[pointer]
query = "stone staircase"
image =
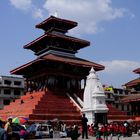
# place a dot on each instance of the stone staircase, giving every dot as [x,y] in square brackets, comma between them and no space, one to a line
[43,106]
[115,114]
[22,109]
[56,105]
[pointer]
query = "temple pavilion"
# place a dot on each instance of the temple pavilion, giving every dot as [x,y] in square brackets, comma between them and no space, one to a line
[134,98]
[54,79]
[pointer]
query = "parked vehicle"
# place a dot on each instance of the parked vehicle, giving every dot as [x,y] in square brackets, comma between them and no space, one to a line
[139,131]
[39,130]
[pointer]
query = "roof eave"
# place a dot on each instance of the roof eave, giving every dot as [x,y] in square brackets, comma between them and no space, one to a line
[57,19]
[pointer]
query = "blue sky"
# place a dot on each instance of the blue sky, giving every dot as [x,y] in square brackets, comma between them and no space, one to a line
[112,27]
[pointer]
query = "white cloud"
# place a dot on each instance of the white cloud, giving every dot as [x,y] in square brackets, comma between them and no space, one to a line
[118,72]
[21,4]
[89,14]
[27,5]
[119,66]
[37,13]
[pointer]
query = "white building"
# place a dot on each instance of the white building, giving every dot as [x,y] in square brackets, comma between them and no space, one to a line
[11,88]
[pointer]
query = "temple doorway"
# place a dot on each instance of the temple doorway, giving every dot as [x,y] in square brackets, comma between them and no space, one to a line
[101,118]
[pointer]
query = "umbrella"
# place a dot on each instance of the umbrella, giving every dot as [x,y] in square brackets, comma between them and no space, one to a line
[130,120]
[3,118]
[20,120]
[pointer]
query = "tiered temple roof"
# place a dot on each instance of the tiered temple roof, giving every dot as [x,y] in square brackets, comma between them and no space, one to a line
[137,70]
[134,86]
[57,23]
[131,98]
[56,42]
[55,37]
[56,47]
[56,58]
[134,82]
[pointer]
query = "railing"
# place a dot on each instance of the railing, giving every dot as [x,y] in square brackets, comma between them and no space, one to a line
[74,101]
[79,100]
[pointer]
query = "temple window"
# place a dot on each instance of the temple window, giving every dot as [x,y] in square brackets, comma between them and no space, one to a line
[82,84]
[100,102]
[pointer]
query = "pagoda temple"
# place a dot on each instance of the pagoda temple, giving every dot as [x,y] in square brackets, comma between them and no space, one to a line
[55,78]
[134,84]
[134,98]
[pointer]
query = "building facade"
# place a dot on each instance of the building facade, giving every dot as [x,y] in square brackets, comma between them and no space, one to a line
[11,88]
[134,99]
[115,96]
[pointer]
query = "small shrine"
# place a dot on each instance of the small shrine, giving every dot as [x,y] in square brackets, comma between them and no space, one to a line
[94,106]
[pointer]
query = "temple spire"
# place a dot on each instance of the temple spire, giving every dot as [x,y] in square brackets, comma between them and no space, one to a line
[94,99]
[56,14]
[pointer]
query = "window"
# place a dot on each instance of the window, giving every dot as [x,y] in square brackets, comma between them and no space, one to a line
[82,84]
[6,102]
[7,91]
[17,83]
[100,102]
[108,96]
[126,92]
[120,91]
[7,82]
[16,92]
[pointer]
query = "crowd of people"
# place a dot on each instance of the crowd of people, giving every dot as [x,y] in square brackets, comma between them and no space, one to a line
[107,131]
[120,129]
[6,131]
[99,130]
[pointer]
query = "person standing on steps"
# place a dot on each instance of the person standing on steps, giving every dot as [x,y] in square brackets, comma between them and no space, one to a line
[84,127]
